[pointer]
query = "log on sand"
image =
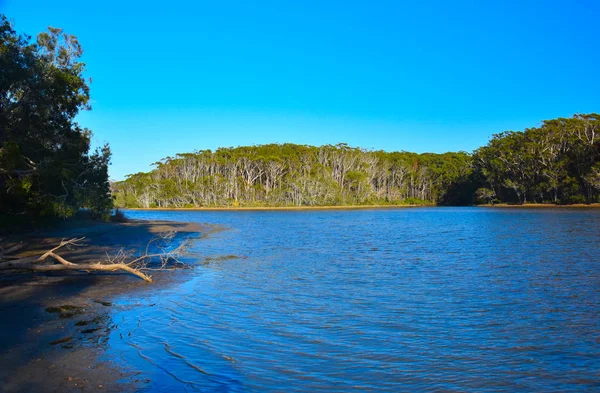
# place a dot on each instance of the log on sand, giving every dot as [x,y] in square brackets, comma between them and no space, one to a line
[138,266]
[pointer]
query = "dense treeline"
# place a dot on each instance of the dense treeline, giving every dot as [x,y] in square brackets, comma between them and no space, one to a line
[46,168]
[558,162]
[295,175]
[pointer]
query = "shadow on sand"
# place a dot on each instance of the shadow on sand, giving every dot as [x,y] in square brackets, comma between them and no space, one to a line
[55,326]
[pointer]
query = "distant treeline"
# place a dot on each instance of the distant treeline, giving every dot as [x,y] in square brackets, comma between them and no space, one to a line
[294,175]
[556,163]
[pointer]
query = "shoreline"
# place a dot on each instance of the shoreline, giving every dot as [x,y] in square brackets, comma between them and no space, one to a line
[360,207]
[292,208]
[544,206]
[56,326]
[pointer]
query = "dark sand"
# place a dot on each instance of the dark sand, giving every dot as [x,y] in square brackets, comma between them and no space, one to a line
[54,327]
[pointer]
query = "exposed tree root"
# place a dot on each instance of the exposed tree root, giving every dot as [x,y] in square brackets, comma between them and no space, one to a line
[169,258]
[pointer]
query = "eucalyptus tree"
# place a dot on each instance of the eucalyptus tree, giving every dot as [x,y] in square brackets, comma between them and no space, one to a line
[45,163]
[556,162]
[291,175]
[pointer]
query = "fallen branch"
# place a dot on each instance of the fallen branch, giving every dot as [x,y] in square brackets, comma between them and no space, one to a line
[12,249]
[122,261]
[113,267]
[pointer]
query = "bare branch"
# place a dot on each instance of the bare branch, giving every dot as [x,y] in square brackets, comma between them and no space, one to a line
[12,249]
[122,261]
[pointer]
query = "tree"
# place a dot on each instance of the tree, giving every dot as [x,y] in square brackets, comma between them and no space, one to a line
[557,162]
[485,195]
[45,165]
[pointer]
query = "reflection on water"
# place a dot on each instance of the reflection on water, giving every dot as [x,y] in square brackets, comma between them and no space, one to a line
[438,299]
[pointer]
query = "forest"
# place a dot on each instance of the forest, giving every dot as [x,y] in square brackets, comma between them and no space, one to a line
[295,175]
[558,162]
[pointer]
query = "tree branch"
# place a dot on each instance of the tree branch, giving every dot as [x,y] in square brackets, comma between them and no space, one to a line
[137,266]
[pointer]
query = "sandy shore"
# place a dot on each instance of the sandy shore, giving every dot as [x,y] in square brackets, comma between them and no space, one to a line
[544,205]
[247,208]
[359,207]
[55,326]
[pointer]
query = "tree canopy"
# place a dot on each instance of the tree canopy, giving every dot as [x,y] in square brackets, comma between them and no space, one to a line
[46,168]
[296,175]
[558,162]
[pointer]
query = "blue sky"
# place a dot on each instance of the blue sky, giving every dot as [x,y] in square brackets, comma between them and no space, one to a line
[425,76]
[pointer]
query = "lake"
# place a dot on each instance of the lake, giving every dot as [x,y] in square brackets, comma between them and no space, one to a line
[415,299]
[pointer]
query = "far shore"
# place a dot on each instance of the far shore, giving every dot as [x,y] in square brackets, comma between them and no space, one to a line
[357,207]
[243,208]
[544,205]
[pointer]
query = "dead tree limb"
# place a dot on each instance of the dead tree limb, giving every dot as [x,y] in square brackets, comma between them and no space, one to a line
[123,261]
[12,249]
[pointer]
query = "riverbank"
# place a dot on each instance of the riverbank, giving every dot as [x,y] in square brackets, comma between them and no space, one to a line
[56,326]
[252,208]
[544,205]
[357,207]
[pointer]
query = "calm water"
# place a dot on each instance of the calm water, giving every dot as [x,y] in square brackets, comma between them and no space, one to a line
[431,299]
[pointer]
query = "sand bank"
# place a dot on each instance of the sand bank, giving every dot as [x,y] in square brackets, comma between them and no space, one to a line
[249,208]
[544,205]
[55,326]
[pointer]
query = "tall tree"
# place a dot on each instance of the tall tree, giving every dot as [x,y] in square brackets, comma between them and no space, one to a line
[45,163]
[557,162]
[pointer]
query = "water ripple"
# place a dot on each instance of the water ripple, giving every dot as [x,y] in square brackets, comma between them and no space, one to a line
[396,300]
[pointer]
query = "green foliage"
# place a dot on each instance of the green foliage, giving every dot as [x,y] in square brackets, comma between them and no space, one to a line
[45,165]
[294,175]
[558,162]
[485,195]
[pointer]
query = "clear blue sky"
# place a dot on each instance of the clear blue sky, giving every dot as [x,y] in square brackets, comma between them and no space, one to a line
[177,76]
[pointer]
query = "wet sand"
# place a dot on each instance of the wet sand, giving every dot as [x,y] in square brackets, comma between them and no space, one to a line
[54,327]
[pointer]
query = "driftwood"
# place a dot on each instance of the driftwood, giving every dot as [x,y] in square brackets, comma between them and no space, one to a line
[12,249]
[140,266]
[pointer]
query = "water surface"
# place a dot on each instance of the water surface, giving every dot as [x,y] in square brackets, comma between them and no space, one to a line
[423,299]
